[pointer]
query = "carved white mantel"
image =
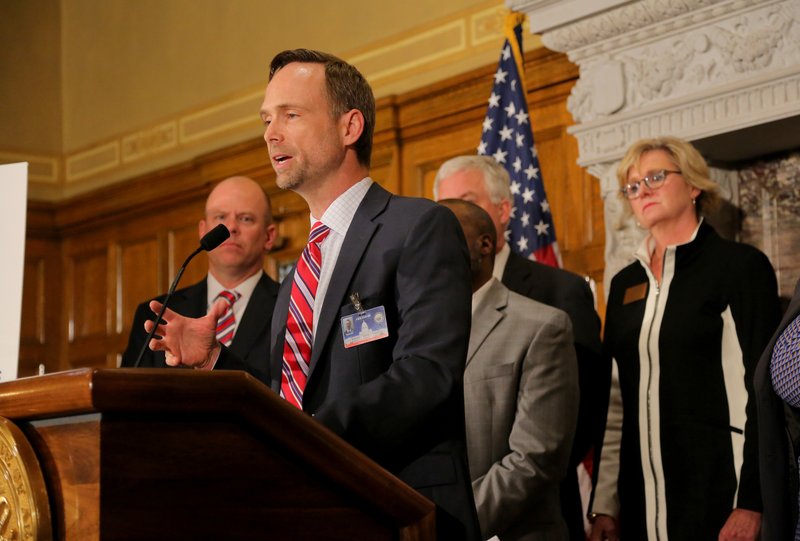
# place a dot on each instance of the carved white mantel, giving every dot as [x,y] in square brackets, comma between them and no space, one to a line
[697,69]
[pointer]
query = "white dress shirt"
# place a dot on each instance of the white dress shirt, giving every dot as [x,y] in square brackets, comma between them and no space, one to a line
[338,217]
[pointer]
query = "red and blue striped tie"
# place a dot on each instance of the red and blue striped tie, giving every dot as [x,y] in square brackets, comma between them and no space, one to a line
[226,325]
[300,321]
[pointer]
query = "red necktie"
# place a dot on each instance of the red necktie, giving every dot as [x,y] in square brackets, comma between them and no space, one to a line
[300,320]
[226,325]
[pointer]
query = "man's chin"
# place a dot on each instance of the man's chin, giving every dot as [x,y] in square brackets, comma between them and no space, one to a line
[288,182]
[227,262]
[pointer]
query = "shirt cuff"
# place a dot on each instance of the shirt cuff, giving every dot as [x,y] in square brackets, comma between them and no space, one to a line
[212,362]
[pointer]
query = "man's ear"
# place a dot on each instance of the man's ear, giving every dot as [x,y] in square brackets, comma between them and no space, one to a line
[485,245]
[505,212]
[272,234]
[201,228]
[352,126]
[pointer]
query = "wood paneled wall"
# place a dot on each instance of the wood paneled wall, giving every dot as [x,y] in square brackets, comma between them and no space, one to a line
[91,260]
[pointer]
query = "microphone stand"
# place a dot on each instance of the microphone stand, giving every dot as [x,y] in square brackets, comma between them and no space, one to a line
[210,240]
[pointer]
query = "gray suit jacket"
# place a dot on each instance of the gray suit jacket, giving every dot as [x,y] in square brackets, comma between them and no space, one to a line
[521,402]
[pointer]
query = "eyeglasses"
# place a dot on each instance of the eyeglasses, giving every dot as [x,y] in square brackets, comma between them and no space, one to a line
[653,181]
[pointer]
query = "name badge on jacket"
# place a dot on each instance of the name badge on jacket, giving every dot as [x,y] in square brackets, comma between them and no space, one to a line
[366,326]
[635,293]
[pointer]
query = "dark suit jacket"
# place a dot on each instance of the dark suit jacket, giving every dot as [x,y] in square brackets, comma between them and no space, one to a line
[398,399]
[776,452]
[250,343]
[570,293]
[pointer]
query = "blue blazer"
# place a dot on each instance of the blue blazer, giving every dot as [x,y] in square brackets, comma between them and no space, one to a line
[398,399]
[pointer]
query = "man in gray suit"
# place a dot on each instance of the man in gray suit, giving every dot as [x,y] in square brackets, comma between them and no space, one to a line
[481,180]
[520,395]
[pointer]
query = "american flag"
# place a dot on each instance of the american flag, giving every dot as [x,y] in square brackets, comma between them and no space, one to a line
[508,138]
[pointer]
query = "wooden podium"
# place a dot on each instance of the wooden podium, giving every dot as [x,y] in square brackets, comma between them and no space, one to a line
[148,454]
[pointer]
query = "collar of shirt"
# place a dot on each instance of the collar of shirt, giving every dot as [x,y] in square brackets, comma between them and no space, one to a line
[644,251]
[245,289]
[479,295]
[500,260]
[338,217]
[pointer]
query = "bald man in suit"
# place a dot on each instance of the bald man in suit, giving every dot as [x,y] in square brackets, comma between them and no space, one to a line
[520,397]
[236,265]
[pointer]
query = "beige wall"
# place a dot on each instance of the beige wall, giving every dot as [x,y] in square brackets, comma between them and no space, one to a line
[113,89]
[30,76]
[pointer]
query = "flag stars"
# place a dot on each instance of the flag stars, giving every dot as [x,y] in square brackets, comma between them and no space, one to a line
[508,138]
[527,195]
[541,228]
[531,171]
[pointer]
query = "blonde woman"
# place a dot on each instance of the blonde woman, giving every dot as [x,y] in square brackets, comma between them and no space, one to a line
[685,325]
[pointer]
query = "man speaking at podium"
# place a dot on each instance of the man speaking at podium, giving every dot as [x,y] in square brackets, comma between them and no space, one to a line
[235,273]
[390,381]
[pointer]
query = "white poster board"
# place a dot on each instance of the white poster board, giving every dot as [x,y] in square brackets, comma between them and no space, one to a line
[13,205]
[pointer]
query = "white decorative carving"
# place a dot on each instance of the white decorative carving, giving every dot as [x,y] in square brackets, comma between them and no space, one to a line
[731,50]
[607,138]
[635,18]
[589,98]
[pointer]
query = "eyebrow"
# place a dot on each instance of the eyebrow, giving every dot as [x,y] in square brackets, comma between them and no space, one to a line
[284,106]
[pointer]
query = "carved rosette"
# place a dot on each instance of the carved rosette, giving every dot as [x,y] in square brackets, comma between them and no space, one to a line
[24,507]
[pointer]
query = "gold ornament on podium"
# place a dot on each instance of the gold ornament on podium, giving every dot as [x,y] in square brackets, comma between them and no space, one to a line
[24,508]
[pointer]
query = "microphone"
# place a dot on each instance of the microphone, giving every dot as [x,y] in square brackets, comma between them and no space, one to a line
[210,240]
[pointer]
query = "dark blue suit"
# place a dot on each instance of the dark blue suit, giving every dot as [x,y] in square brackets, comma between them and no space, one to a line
[398,399]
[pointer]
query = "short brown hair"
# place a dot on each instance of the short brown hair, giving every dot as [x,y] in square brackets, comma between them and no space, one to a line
[688,160]
[347,90]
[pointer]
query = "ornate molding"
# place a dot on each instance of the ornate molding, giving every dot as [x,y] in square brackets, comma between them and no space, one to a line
[737,49]
[635,22]
[704,115]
